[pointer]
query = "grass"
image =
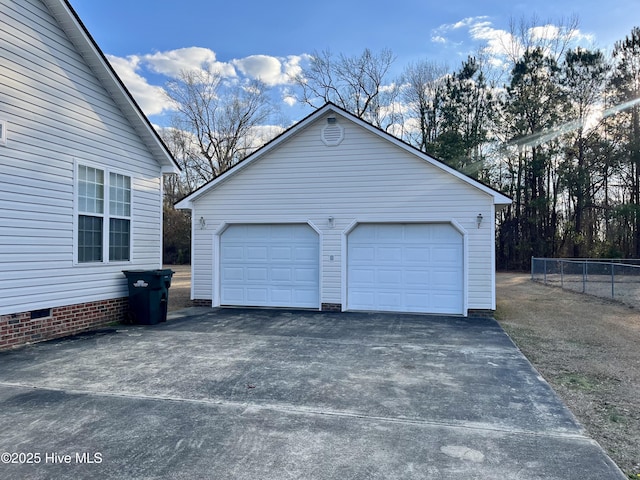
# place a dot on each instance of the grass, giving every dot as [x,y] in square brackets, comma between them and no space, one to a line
[577,381]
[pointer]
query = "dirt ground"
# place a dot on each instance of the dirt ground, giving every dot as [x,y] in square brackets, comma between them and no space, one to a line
[587,348]
[180,290]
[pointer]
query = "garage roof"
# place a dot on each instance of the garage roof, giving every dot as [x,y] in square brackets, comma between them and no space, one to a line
[186,203]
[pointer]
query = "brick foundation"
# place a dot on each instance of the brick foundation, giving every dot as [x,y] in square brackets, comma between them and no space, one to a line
[481,313]
[201,302]
[331,307]
[21,328]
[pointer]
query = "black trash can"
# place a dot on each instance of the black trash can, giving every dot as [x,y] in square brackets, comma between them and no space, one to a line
[148,295]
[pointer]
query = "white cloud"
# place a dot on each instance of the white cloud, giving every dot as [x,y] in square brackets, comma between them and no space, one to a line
[270,70]
[498,42]
[501,44]
[172,62]
[544,32]
[137,71]
[151,98]
[466,22]
[288,97]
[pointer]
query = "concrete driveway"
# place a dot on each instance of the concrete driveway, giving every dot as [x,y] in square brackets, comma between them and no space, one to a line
[256,394]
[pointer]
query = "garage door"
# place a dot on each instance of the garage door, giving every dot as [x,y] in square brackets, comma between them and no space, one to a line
[269,266]
[405,268]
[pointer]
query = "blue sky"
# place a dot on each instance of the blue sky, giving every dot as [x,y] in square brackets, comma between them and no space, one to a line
[149,42]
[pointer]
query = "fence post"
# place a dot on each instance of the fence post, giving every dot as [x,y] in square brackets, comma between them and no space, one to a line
[613,279]
[561,273]
[545,271]
[584,276]
[533,259]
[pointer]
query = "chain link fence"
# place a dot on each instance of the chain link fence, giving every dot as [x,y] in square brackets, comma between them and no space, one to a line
[617,279]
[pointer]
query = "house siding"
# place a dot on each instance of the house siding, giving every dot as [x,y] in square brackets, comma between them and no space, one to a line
[364,179]
[58,115]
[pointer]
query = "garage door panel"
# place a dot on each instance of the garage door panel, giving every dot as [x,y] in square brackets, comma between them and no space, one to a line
[385,276]
[416,278]
[281,254]
[359,299]
[233,294]
[283,234]
[417,301]
[406,268]
[281,275]
[416,254]
[444,233]
[280,296]
[256,296]
[269,265]
[442,301]
[446,255]
[306,254]
[449,279]
[389,254]
[306,275]
[389,300]
[362,254]
[418,233]
[231,274]
[305,296]
[256,274]
[362,276]
[253,253]
[232,253]
[306,234]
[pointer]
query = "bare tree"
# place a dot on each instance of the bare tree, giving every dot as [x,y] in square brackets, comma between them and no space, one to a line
[422,88]
[215,120]
[355,83]
[553,38]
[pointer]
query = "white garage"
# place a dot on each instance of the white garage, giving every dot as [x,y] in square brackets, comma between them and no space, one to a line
[335,214]
[269,266]
[405,268]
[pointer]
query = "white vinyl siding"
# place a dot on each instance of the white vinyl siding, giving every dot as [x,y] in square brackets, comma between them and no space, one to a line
[364,179]
[60,116]
[3,133]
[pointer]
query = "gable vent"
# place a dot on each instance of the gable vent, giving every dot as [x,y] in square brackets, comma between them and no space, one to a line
[332,133]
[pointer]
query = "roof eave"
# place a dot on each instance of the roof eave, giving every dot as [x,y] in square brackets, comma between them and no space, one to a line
[78,34]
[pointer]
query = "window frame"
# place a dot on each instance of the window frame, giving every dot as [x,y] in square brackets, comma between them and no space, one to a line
[106,214]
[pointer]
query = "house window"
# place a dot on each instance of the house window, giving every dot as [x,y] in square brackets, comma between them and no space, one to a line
[119,213]
[104,216]
[90,214]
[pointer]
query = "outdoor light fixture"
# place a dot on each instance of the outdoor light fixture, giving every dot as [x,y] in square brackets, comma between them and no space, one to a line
[203,223]
[331,222]
[479,220]
[331,120]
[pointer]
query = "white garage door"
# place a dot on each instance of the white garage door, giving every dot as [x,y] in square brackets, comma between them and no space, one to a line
[405,268]
[269,266]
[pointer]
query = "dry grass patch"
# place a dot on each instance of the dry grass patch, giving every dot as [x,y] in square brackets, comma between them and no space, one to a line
[588,349]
